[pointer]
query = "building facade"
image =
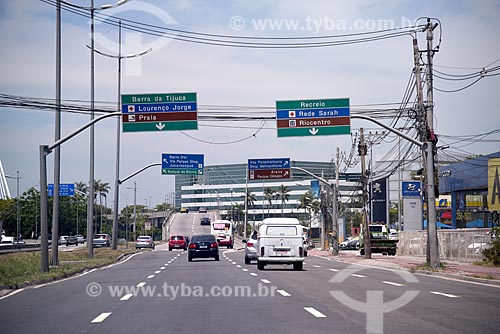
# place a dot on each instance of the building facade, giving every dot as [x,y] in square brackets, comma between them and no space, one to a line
[223,188]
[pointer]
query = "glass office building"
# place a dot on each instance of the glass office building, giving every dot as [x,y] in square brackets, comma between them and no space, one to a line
[222,188]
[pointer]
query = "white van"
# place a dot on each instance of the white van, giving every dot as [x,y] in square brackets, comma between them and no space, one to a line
[280,241]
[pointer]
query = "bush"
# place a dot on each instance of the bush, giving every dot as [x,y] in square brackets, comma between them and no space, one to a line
[492,254]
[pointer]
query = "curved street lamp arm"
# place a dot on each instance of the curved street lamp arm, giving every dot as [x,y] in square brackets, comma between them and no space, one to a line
[119,3]
[139,171]
[121,57]
[385,126]
[80,129]
[319,178]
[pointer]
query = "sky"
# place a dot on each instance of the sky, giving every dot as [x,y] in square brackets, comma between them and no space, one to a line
[368,73]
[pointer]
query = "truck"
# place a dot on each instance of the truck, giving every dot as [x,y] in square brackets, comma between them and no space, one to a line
[380,242]
[280,241]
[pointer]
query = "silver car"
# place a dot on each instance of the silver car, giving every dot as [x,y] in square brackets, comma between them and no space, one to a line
[144,241]
[250,250]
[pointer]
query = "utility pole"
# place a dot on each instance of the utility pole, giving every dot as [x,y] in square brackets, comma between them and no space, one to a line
[135,208]
[335,216]
[57,151]
[430,147]
[425,117]
[362,150]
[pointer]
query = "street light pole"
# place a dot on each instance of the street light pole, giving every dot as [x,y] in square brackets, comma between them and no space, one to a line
[119,57]
[90,208]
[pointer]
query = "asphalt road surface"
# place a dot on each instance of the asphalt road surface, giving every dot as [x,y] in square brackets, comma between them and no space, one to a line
[161,292]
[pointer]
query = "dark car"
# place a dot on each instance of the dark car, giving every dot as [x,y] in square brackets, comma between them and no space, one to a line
[204,221]
[177,241]
[72,240]
[203,246]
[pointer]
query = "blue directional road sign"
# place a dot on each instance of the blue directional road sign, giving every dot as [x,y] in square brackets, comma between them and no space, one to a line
[65,189]
[175,164]
[268,163]
[265,169]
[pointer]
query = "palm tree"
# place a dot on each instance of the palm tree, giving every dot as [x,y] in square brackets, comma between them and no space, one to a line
[101,188]
[250,198]
[305,201]
[282,194]
[81,186]
[269,195]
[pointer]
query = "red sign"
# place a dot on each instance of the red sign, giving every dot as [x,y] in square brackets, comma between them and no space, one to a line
[159,117]
[268,174]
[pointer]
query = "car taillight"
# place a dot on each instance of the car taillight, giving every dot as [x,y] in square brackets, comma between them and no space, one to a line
[192,246]
[214,245]
[249,244]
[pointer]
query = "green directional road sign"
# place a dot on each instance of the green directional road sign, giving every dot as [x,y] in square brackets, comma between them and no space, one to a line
[167,171]
[307,118]
[159,112]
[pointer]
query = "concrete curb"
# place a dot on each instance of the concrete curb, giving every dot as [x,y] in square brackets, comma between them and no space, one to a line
[395,266]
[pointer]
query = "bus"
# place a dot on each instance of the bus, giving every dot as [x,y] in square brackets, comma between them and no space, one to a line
[223,232]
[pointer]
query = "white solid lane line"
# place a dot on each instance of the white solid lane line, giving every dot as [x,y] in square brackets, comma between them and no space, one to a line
[444,294]
[127,296]
[101,317]
[315,312]
[392,283]
[283,293]
[141,284]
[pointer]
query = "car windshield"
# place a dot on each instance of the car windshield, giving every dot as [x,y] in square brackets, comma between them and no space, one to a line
[203,238]
[177,237]
[281,230]
[143,238]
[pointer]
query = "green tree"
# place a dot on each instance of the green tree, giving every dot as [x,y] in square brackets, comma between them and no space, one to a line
[306,202]
[283,194]
[101,189]
[269,195]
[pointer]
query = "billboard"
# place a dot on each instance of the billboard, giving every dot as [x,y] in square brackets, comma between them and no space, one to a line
[493,184]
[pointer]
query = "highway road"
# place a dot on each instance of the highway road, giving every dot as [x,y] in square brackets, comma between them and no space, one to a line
[161,292]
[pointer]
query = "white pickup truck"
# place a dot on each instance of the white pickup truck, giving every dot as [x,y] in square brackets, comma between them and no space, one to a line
[280,241]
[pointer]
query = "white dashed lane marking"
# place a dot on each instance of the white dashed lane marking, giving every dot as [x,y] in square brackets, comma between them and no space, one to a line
[141,284]
[127,296]
[444,294]
[151,276]
[357,275]
[283,293]
[265,281]
[392,283]
[315,312]
[101,317]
